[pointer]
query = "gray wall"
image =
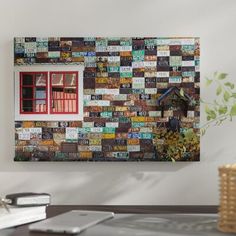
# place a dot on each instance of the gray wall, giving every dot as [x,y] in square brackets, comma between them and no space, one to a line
[213,21]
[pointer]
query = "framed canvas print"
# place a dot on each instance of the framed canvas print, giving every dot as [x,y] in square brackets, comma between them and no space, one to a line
[107,99]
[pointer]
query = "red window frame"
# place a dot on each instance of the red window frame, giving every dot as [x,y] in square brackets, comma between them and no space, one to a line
[34,86]
[64,73]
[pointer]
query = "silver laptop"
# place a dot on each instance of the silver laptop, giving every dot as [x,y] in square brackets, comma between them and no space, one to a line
[72,222]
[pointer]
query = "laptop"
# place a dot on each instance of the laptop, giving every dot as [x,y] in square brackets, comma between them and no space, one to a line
[72,222]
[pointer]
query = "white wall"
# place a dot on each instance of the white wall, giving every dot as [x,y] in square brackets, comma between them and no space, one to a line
[213,21]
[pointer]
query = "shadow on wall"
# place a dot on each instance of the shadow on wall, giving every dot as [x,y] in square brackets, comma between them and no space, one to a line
[113,186]
[99,184]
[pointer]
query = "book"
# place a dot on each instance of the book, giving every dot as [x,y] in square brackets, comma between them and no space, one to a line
[21,215]
[28,199]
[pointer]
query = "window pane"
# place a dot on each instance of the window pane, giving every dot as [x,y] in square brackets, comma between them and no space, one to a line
[70,93]
[27,92]
[58,105]
[27,106]
[33,92]
[57,93]
[57,79]
[70,80]
[64,90]
[70,105]
[40,106]
[27,79]
[40,93]
[40,80]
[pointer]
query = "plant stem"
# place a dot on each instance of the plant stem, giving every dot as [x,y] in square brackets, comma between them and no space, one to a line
[208,103]
[215,120]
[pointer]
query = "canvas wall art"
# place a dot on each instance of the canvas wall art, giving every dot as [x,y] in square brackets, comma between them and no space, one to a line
[107,99]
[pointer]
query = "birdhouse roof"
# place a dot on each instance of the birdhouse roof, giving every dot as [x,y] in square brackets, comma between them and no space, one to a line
[185,97]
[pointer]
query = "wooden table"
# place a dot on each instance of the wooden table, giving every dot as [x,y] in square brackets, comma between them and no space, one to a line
[55,210]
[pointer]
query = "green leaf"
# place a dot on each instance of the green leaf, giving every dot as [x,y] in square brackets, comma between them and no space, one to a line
[233,95]
[226,96]
[207,109]
[219,90]
[181,92]
[230,85]
[203,131]
[233,110]
[208,81]
[222,110]
[189,134]
[213,115]
[222,76]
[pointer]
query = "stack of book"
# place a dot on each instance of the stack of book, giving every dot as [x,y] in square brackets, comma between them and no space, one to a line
[23,208]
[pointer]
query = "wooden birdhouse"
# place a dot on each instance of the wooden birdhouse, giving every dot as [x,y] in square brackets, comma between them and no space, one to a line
[174,103]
